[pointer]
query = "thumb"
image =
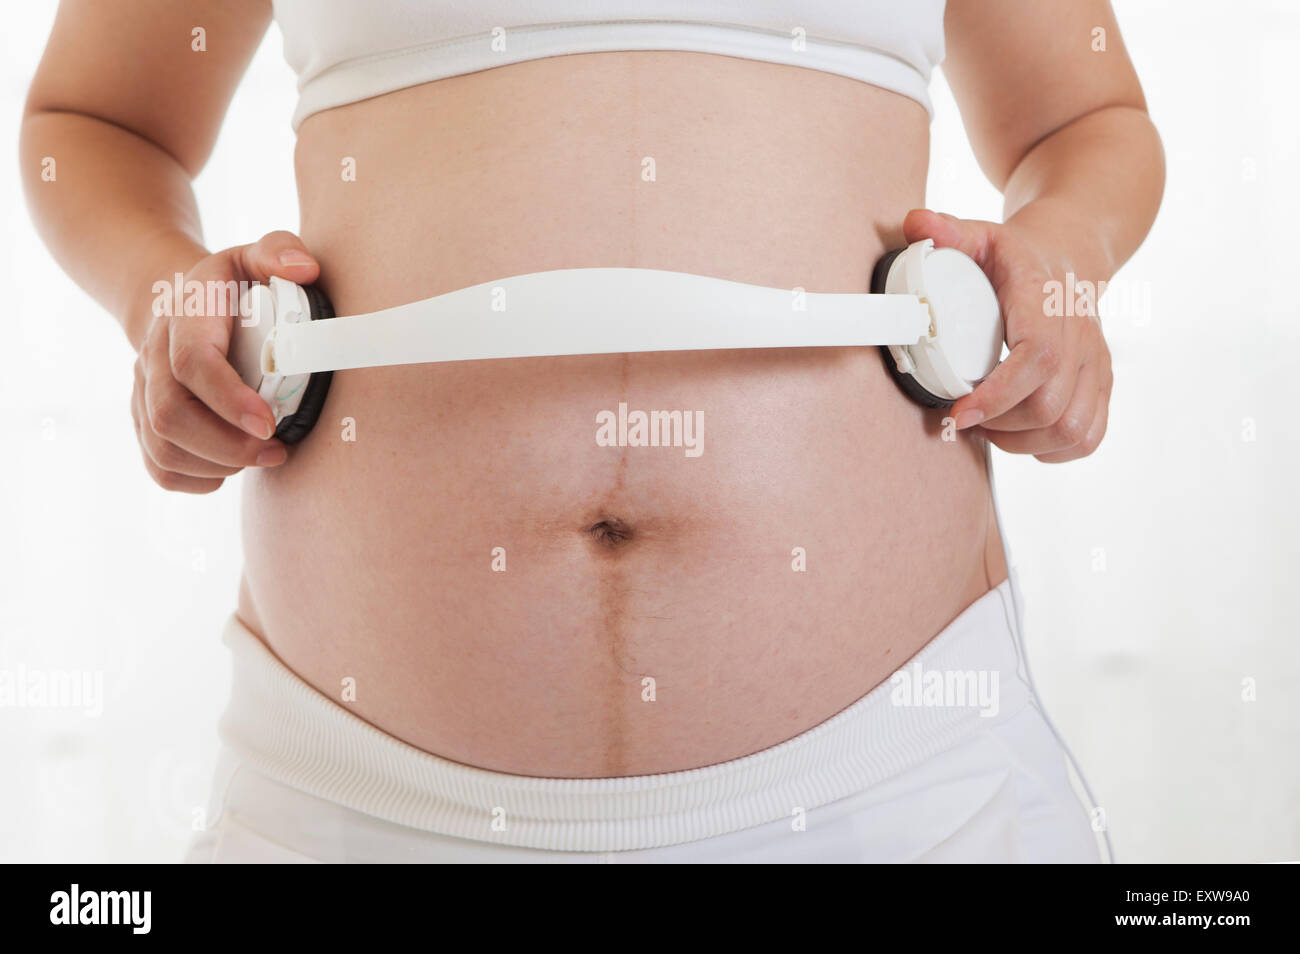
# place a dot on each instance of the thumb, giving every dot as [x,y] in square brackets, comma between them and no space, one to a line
[281,254]
[965,235]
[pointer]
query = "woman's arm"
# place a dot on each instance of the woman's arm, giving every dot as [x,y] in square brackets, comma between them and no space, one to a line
[128,110]
[1058,122]
[1059,125]
[121,116]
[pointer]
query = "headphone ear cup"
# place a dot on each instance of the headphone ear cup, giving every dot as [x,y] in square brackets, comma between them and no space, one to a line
[905,382]
[880,274]
[297,425]
[909,385]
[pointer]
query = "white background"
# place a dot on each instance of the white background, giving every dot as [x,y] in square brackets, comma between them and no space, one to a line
[1159,573]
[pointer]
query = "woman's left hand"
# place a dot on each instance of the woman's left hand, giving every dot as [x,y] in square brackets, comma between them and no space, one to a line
[1050,396]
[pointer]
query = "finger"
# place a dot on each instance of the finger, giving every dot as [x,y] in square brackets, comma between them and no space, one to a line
[197,348]
[180,483]
[169,480]
[1095,434]
[1069,430]
[972,237]
[170,457]
[1104,362]
[209,437]
[281,254]
[164,454]
[177,417]
[1033,361]
[1045,405]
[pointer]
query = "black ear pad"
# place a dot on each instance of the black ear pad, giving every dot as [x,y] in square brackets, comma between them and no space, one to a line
[907,383]
[296,426]
[880,274]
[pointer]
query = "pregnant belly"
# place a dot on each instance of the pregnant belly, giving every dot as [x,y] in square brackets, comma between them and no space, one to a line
[511,581]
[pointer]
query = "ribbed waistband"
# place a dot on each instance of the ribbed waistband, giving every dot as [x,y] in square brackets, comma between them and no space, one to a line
[285,729]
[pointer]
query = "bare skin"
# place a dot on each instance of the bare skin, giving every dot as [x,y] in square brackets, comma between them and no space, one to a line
[373,559]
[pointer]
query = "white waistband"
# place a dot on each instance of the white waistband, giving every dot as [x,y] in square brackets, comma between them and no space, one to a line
[596,311]
[286,730]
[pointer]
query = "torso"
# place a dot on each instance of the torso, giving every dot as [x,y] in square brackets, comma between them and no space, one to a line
[373,559]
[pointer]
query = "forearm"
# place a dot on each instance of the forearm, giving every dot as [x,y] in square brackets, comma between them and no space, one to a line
[1090,191]
[117,212]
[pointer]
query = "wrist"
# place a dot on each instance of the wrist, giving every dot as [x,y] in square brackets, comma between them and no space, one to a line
[1068,240]
[159,261]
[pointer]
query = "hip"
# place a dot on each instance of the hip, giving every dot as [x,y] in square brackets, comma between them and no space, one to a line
[950,760]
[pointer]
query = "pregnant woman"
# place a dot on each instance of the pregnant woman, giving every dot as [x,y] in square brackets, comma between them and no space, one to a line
[470,630]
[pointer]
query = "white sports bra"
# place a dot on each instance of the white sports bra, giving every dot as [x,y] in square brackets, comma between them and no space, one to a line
[347,50]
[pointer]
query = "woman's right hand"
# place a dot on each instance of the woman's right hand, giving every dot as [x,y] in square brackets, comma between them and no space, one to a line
[197,422]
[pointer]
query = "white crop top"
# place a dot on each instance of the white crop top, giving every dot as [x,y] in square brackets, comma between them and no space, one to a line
[348,50]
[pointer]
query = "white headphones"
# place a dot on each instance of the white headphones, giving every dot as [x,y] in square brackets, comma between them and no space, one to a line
[933,312]
[295,399]
[964,342]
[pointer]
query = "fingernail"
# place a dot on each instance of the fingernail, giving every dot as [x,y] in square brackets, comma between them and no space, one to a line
[969,418]
[295,256]
[257,426]
[272,457]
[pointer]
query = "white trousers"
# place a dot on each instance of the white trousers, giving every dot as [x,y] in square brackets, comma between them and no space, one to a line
[950,760]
